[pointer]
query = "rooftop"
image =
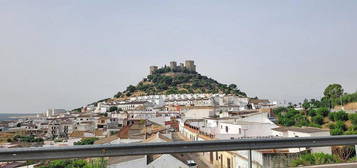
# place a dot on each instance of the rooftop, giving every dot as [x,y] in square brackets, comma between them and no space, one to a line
[302,129]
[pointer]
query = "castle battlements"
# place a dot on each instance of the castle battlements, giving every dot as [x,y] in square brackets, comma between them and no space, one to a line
[189,65]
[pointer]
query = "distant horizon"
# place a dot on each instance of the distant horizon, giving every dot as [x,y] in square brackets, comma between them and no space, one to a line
[66,54]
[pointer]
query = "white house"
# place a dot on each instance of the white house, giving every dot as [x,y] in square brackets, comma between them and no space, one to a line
[134,105]
[53,112]
[237,129]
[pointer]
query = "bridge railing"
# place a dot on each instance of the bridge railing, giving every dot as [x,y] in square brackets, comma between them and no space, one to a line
[110,150]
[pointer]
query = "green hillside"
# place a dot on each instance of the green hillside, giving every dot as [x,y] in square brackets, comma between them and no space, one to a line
[167,81]
[319,113]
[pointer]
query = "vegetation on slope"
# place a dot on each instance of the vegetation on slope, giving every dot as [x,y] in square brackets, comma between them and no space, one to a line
[315,159]
[75,163]
[333,95]
[167,81]
[317,113]
[339,154]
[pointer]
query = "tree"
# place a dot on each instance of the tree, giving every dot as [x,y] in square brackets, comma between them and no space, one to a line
[344,152]
[312,112]
[119,94]
[323,111]
[233,86]
[301,120]
[315,103]
[130,88]
[333,91]
[113,108]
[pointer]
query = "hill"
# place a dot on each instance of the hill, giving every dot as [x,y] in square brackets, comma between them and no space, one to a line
[178,81]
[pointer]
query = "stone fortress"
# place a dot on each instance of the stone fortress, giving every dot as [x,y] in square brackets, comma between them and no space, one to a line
[189,65]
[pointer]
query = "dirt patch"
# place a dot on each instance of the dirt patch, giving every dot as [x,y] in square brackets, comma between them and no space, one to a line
[349,106]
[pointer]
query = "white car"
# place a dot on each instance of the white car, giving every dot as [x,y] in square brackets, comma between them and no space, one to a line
[191,164]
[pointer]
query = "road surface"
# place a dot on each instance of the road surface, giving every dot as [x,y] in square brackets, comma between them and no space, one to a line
[189,156]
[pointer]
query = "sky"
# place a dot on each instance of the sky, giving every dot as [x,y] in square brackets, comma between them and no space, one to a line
[65,54]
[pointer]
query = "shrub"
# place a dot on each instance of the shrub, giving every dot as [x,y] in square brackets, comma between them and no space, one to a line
[322,158]
[331,116]
[332,126]
[317,119]
[297,162]
[336,131]
[314,125]
[341,116]
[301,120]
[29,139]
[314,159]
[308,159]
[75,163]
[311,112]
[353,118]
[350,132]
[338,116]
[279,110]
[86,141]
[340,125]
[323,111]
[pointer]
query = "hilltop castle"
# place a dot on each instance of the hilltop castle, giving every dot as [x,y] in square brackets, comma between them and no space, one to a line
[189,65]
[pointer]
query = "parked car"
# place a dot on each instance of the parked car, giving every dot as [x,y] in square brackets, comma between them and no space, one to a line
[191,164]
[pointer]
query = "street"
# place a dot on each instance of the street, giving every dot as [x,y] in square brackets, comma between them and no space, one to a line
[188,156]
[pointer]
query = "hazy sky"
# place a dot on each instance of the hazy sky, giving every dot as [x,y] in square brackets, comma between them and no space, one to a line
[65,54]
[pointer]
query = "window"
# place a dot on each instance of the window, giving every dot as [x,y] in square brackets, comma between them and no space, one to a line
[216,155]
[228,163]
[240,131]
[226,128]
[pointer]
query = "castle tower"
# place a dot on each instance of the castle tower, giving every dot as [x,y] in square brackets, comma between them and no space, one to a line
[153,69]
[182,66]
[173,65]
[190,65]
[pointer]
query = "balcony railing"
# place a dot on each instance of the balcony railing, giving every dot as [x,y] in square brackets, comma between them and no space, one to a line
[110,150]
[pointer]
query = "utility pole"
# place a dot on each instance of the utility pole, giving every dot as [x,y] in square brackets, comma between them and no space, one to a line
[342,108]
